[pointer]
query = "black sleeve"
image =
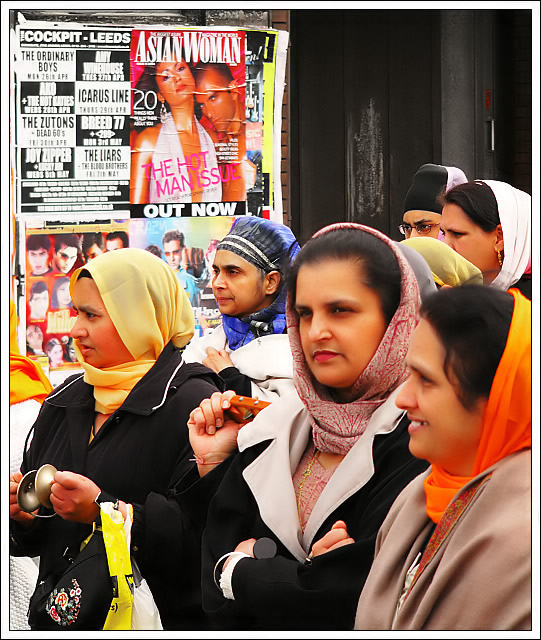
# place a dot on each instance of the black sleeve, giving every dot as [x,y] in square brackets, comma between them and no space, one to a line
[236,381]
[166,534]
[281,592]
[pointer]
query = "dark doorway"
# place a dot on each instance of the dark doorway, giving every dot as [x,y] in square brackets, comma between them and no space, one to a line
[365,113]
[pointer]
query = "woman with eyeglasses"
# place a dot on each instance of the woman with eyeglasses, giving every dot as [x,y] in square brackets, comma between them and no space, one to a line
[489,223]
[422,210]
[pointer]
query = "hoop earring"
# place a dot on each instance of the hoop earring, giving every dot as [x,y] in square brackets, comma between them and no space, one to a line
[500,259]
[163,113]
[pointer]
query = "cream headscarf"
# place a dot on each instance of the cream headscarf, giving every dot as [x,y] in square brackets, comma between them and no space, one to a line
[148,307]
[515,212]
[447,266]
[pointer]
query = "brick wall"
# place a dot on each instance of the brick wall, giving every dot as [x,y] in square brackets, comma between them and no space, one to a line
[280,19]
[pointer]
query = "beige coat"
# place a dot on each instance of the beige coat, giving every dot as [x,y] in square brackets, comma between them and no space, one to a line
[480,576]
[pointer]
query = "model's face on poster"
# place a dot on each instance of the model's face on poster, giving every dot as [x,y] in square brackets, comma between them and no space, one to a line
[218,100]
[55,354]
[93,252]
[38,303]
[63,294]
[114,244]
[175,82]
[172,251]
[65,258]
[442,430]
[39,261]
[34,337]
[341,322]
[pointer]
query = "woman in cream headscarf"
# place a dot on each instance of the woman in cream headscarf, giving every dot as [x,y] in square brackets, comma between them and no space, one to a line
[447,266]
[454,552]
[118,431]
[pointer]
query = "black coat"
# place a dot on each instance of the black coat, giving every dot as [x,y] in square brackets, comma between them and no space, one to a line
[138,455]
[281,592]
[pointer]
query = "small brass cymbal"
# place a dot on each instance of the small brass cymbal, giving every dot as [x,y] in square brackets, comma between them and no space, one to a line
[35,489]
[27,498]
[43,483]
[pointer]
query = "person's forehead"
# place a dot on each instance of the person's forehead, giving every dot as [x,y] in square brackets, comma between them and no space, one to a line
[64,248]
[211,80]
[168,66]
[225,258]
[172,245]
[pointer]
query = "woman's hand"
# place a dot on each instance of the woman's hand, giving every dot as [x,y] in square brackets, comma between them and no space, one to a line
[217,360]
[73,495]
[337,537]
[247,546]
[212,435]
[15,512]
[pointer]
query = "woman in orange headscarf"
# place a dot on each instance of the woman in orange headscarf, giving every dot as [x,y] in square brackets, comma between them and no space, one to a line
[455,550]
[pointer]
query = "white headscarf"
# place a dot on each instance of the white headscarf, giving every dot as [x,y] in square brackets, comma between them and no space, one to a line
[515,211]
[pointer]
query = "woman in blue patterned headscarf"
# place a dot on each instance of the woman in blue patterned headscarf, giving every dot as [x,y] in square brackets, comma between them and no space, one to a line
[250,349]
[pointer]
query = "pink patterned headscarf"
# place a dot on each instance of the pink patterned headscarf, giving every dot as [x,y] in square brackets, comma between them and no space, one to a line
[336,427]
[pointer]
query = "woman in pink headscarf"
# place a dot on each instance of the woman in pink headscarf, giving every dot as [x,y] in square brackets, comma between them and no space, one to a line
[330,456]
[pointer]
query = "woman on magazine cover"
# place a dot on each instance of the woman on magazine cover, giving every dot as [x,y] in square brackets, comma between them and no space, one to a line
[175,160]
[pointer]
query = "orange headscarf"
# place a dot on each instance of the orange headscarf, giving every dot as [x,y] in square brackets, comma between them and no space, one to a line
[26,377]
[507,421]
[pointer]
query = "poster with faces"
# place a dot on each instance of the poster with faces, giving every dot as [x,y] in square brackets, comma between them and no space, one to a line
[188,247]
[51,255]
[87,102]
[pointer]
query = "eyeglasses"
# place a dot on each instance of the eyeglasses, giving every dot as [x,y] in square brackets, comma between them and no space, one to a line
[422,228]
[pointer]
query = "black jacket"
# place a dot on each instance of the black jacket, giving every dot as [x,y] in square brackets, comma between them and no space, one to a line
[281,592]
[138,455]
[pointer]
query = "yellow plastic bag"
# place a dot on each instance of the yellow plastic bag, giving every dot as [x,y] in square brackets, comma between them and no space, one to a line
[120,569]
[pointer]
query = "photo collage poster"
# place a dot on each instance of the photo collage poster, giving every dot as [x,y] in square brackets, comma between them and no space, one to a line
[93,123]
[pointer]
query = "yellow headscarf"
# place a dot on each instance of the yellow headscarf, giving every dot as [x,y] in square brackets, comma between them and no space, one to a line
[26,378]
[447,266]
[148,307]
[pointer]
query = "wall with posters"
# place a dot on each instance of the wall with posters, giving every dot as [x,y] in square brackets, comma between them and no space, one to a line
[153,137]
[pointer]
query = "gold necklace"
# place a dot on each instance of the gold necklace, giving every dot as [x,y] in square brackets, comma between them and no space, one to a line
[305,475]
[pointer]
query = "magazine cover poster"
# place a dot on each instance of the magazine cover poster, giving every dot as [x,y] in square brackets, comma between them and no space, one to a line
[188,136]
[51,256]
[188,246]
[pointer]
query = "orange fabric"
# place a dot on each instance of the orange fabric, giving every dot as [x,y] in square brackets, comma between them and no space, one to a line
[507,422]
[508,416]
[26,377]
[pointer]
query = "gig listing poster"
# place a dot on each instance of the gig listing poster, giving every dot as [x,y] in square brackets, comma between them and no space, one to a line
[143,127]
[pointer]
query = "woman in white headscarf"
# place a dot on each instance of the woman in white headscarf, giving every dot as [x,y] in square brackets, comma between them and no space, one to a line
[489,223]
[117,432]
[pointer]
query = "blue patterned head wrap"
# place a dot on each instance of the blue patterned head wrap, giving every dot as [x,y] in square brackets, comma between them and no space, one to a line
[269,246]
